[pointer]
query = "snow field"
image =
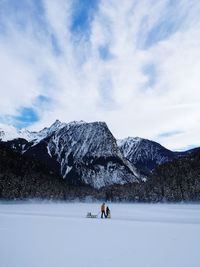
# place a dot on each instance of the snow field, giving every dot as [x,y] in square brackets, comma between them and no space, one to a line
[58,235]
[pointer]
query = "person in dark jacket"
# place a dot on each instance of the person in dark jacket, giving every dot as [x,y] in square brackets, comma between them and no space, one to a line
[107,212]
[103,208]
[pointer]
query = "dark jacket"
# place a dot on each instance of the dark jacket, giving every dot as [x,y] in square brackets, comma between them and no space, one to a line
[107,211]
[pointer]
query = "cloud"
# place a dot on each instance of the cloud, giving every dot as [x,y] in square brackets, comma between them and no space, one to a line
[134,65]
[169,134]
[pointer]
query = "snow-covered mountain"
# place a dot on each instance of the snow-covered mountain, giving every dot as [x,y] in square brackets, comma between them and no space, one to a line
[8,132]
[146,154]
[87,153]
[83,153]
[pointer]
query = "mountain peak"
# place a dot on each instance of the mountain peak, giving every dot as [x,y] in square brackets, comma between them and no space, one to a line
[56,123]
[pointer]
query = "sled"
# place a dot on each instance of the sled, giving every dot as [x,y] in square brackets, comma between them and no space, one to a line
[90,215]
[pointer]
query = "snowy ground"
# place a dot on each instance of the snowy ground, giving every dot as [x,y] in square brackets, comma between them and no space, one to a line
[59,235]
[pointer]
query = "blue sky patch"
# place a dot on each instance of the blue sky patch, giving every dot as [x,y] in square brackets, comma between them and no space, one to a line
[104,52]
[160,32]
[150,71]
[26,117]
[82,15]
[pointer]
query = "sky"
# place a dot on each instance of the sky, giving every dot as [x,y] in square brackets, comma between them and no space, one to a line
[133,64]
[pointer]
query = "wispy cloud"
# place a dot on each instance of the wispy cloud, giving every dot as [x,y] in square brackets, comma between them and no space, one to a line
[135,65]
[169,134]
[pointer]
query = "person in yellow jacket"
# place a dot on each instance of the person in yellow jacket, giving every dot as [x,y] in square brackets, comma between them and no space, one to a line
[103,210]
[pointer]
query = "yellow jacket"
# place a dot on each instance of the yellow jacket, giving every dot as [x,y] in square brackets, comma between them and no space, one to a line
[103,207]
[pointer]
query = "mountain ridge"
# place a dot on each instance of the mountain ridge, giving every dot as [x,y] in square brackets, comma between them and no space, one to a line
[88,153]
[79,159]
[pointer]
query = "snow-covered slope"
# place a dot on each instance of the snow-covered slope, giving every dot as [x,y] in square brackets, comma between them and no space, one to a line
[145,154]
[36,137]
[83,153]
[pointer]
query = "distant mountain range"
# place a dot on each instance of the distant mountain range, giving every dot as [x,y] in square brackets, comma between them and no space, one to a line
[146,155]
[86,155]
